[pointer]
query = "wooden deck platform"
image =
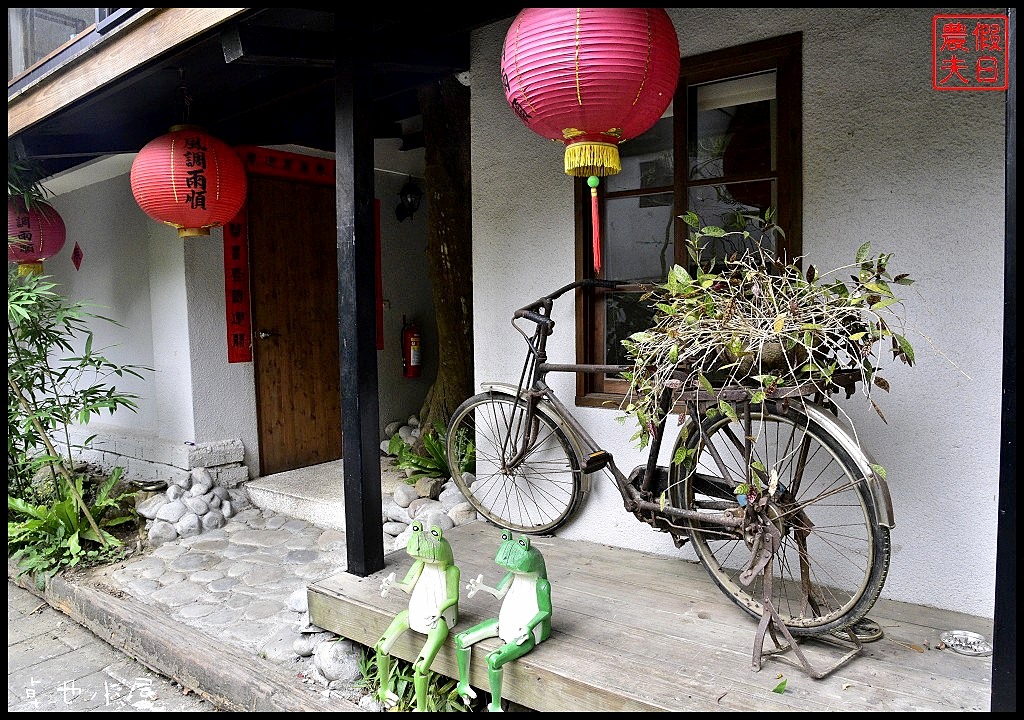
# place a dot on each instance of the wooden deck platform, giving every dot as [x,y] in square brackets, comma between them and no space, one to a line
[635,631]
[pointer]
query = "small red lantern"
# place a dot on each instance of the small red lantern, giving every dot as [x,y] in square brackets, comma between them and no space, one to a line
[190,180]
[39,230]
[590,78]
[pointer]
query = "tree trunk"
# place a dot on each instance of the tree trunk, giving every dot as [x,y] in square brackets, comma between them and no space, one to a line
[445,109]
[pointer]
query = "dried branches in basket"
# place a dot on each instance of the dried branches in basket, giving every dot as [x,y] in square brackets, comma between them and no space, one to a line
[752,320]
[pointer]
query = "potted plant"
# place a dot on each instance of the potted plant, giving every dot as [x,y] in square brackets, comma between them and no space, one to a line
[754,321]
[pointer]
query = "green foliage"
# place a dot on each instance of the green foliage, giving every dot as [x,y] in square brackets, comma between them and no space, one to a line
[46,538]
[23,181]
[750,319]
[56,376]
[434,463]
[441,690]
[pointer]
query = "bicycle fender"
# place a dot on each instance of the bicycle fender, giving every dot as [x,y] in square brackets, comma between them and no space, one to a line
[878,486]
[513,390]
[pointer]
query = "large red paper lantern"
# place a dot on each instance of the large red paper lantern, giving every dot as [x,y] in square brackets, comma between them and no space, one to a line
[189,179]
[40,234]
[590,78]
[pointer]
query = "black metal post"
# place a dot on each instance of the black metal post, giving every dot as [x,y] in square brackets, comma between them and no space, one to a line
[357,324]
[1004,641]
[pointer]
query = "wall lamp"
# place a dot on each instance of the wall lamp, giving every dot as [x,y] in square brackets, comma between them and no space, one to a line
[408,200]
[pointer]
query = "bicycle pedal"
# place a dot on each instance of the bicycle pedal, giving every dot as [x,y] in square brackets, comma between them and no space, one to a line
[596,461]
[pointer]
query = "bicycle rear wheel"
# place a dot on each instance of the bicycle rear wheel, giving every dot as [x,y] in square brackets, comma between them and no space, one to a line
[834,554]
[537,493]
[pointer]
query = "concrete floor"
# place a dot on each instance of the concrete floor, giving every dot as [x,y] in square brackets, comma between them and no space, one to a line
[316,493]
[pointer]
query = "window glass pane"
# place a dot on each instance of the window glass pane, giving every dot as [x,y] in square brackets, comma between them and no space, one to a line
[639,238]
[646,160]
[726,206]
[734,128]
[34,33]
[624,315]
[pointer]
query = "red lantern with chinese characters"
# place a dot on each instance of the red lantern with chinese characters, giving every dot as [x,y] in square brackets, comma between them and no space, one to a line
[590,78]
[40,234]
[189,179]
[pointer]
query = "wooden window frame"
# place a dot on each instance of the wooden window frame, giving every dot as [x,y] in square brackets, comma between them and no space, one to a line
[781,54]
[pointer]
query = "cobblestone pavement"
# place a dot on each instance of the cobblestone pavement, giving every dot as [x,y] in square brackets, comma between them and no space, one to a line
[56,665]
[238,590]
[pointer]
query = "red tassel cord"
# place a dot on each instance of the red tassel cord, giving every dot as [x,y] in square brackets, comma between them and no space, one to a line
[595,222]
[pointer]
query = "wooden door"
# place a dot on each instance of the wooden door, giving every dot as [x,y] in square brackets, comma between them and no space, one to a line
[294,278]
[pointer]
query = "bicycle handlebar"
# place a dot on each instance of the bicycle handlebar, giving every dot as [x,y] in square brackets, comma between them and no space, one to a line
[586,282]
[535,317]
[529,311]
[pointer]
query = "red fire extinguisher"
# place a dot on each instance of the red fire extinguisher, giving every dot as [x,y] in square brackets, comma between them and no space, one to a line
[412,358]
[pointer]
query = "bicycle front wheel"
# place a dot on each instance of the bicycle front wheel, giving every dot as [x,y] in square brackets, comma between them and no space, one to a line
[518,475]
[834,554]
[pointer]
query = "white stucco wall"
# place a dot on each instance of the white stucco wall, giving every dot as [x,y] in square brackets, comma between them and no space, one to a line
[406,290]
[172,370]
[887,159]
[133,272]
[114,279]
[224,394]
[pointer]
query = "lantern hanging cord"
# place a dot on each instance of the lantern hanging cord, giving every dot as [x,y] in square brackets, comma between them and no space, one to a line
[183,99]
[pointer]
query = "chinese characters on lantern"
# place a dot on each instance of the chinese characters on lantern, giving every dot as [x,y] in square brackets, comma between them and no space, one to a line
[970,52]
[195,175]
[24,234]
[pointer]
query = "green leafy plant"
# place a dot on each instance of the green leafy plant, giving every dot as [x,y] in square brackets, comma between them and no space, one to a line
[752,320]
[52,385]
[23,182]
[433,463]
[45,538]
[441,690]
[56,378]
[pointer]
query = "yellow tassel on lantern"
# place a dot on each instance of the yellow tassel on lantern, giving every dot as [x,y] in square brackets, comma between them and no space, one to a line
[30,268]
[586,159]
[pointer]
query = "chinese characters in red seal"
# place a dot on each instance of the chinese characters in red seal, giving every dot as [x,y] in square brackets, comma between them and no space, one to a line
[970,52]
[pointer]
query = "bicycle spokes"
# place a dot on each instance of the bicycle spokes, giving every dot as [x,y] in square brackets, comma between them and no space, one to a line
[526,476]
[806,487]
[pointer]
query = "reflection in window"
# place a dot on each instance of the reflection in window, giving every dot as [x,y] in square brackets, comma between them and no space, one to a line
[34,33]
[643,228]
[731,150]
[624,315]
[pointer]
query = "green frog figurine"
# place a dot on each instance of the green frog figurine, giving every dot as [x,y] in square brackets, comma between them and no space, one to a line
[523,621]
[433,586]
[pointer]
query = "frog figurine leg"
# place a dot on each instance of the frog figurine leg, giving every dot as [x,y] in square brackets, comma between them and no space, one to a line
[383,649]
[432,584]
[523,621]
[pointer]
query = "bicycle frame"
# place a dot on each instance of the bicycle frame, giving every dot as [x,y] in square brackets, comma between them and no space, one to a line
[638,488]
[534,389]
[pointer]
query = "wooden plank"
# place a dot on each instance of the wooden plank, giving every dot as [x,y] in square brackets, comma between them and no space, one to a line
[528,681]
[141,41]
[637,631]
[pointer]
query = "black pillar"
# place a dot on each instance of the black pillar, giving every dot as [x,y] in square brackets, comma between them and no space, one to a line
[357,323]
[1004,641]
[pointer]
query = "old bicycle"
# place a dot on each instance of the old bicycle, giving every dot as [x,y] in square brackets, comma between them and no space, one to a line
[808,558]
